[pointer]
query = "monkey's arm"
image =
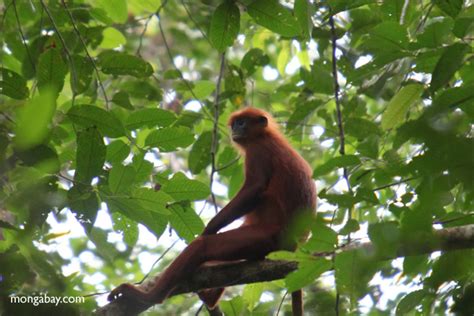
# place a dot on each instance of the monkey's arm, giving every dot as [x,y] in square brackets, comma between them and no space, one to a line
[244,202]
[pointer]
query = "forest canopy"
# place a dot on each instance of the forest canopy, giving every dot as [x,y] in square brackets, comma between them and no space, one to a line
[115,149]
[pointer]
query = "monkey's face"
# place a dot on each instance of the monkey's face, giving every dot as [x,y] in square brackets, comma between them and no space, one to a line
[245,127]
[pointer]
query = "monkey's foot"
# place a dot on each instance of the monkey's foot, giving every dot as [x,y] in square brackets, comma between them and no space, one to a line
[125,290]
[131,292]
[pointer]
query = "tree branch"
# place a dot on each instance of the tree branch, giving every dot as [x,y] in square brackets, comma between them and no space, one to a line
[245,272]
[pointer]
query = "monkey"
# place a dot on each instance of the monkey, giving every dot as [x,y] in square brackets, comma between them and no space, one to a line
[278,186]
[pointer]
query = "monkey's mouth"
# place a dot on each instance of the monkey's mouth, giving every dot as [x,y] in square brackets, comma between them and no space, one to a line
[237,136]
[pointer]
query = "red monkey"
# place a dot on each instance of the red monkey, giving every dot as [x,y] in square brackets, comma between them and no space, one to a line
[278,186]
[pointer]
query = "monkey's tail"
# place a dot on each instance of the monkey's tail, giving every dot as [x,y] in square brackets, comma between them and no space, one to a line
[297,303]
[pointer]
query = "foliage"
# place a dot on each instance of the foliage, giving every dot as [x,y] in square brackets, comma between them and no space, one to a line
[107,115]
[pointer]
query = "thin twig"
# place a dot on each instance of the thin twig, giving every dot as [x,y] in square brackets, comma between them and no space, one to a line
[423,21]
[393,183]
[227,165]
[454,219]
[66,50]
[281,303]
[23,38]
[140,43]
[156,261]
[194,21]
[340,126]
[199,310]
[84,45]
[148,19]
[180,73]
[215,128]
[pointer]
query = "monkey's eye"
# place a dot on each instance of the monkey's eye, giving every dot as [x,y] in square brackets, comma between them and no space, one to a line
[239,122]
[263,120]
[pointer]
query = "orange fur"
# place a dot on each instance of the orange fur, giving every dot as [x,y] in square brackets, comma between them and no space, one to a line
[278,186]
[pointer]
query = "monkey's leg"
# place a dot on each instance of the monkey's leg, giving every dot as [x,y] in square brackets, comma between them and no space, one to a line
[246,242]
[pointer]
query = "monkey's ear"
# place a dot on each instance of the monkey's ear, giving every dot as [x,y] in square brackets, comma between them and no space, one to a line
[262,120]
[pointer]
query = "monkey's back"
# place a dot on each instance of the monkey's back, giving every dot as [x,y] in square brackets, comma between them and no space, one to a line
[290,188]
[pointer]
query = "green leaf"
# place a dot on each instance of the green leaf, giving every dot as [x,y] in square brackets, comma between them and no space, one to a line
[416,224]
[117,151]
[131,207]
[275,17]
[185,222]
[361,128]
[306,274]
[302,113]
[81,76]
[385,237]
[200,154]
[415,265]
[112,38]
[252,59]
[451,266]
[116,63]
[150,118]
[464,23]
[233,307]
[225,25]
[170,138]
[143,168]
[153,201]
[127,227]
[13,85]
[399,105]
[188,119]
[252,293]
[142,89]
[318,79]
[410,301]
[121,179]
[283,58]
[90,156]
[451,60]
[303,13]
[99,238]
[342,200]
[51,70]
[351,226]
[122,99]
[387,36]
[353,271]
[181,188]
[436,34]
[344,5]
[322,239]
[83,200]
[367,195]
[290,256]
[335,163]
[447,99]
[116,10]
[450,7]
[203,88]
[236,181]
[34,118]
[89,115]
[144,6]
[227,161]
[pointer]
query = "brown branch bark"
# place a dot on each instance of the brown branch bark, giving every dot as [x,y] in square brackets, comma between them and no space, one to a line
[245,272]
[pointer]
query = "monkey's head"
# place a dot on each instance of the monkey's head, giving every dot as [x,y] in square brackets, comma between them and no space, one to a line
[249,124]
